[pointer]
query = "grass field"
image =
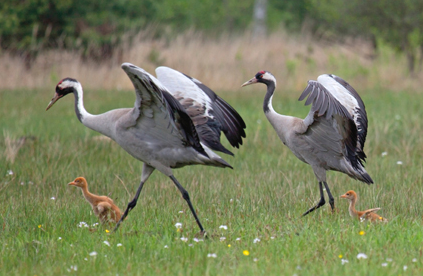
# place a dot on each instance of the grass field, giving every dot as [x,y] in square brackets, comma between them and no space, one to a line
[262,198]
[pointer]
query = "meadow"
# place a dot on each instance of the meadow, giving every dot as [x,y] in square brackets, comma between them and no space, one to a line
[252,214]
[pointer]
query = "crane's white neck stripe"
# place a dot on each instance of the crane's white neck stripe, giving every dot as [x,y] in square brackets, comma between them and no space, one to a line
[79,103]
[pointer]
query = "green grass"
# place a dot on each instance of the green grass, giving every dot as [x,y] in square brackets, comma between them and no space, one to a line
[263,197]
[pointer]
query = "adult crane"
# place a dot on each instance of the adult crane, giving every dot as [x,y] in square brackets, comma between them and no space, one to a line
[176,121]
[333,134]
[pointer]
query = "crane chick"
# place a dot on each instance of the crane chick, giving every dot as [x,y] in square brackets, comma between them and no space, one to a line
[361,215]
[103,206]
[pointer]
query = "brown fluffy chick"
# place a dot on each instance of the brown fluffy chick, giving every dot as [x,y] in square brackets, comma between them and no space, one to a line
[103,206]
[361,215]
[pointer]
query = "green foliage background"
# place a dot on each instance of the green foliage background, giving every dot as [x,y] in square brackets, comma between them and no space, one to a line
[96,27]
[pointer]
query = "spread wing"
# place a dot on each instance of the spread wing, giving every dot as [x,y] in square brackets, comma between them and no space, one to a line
[210,113]
[156,110]
[329,123]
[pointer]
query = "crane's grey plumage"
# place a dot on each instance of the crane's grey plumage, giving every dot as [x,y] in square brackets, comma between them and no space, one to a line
[332,135]
[161,131]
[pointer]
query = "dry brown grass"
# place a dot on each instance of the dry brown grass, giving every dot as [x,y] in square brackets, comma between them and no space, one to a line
[224,63]
[12,146]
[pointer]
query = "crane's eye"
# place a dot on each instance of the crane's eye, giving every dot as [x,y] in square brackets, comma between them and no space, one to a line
[348,194]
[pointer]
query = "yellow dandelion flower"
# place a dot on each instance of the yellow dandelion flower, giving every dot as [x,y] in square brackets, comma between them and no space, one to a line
[362,233]
[107,231]
[39,226]
[380,218]
[246,252]
[340,256]
[178,230]
[229,245]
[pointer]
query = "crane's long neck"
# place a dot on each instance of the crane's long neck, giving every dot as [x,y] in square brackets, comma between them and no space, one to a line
[80,110]
[281,123]
[267,104]
[98,123]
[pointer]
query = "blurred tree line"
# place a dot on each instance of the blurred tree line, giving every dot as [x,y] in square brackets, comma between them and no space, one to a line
[95,27]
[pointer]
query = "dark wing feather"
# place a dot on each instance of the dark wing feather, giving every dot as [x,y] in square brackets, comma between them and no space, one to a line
[232,123]
[361,118]
[209,112]
[182,119]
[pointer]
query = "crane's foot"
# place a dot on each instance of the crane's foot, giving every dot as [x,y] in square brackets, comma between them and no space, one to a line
[318,205]
[131,205]
[201,234]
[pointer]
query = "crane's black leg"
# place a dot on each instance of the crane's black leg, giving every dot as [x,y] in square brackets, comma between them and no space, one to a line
[185,195]
[146,172]
[320,203]
[331,199]
[131,205]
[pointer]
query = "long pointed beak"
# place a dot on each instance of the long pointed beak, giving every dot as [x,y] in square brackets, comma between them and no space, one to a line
[72,183]
[343,196]
[55,98]
[252,81]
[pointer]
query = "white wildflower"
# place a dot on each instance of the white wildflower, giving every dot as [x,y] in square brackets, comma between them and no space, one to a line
[166,246]
[384,153]
[238,239]
[399,162]
[255,259]
[361,256]
[119,245]
[256,240]
[343,261]
[211,255]
[106,243]
[388,259]
[82,224]
[92,254]
[414,260]
[222,239]
[10,172]
[405,268]
[223,227]
[178,225]
[184,239]
[59,238]
[181,212]
[384,264]
[52,198]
